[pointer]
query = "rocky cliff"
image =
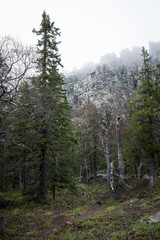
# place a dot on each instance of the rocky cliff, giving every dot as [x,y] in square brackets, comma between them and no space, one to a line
[97,83]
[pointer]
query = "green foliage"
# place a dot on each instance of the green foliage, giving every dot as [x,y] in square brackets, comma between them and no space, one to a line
[77,210]
[39,148]
[55,124]
[88,155]
[47,223]
[111,208]
[142,141]
[146,231]
[67,218]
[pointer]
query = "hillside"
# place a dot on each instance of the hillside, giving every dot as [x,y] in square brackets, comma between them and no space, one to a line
[98,82]
[88,212]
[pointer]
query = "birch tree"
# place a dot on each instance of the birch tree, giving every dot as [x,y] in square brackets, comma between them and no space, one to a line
[16,64]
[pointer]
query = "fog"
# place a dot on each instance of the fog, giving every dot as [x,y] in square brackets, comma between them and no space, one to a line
[90,29]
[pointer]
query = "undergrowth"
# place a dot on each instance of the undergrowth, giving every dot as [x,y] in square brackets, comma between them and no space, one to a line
[90,213]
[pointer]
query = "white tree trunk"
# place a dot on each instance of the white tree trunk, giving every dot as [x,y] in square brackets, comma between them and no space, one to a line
[112,176]
[110,165]
[107,157]
[152,172]
[120,155]
[120,160]
[106,154]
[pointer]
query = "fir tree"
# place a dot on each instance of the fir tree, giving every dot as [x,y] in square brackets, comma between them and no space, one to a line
[52,104]
[143,112]
[41,137]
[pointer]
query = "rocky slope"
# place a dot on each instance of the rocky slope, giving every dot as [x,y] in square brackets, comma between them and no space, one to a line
[97,83]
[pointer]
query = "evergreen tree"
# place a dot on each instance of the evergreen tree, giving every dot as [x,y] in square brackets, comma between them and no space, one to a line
[40,142]
[53,111]
[143,113]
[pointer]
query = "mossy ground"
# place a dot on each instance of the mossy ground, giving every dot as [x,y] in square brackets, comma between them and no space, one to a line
[82,214]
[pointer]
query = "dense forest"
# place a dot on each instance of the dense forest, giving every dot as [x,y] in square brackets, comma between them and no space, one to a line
[47,145]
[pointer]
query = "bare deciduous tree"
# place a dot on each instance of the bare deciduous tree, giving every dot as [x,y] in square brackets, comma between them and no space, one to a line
[106,115]
[16,63]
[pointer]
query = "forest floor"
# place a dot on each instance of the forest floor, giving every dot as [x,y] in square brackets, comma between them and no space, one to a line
[86,213]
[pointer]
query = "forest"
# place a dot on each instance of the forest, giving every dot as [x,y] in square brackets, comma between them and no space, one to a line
[75,172]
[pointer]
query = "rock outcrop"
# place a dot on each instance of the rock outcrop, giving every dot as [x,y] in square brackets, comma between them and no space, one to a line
[98,83]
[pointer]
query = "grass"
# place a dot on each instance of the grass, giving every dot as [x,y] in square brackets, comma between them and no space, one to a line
[78,210]
[110,208]
[77,215]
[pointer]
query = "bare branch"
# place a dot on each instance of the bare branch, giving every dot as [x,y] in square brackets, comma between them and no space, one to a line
[16,64]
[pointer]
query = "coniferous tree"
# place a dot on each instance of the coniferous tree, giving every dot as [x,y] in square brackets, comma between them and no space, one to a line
[40,142]
[52,105]
[143,113]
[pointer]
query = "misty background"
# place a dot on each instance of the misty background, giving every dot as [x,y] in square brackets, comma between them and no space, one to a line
[89,28]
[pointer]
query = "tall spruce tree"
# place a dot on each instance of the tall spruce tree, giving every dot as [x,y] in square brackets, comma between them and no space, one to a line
[143,113]
[40,141]
[50,101]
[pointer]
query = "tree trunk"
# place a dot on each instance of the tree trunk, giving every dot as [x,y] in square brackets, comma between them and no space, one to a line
[110,165]
[106,154]
[152,171]
[53,190]
[121,163]
[20,176]
[95,161]
[42,177]
[2,225]
[55,176]
[80,173]
[24,178]
[95,168]
[139,170]
[152,157]
[86,169]
[107,157]
[111,180]
[120,155]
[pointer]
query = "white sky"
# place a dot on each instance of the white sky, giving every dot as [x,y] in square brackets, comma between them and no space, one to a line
[89,28]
